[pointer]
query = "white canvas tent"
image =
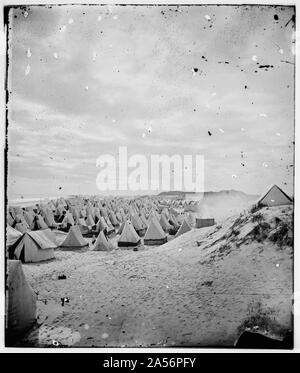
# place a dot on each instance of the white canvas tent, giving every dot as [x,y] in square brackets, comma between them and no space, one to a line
[155,234]
[10,220]
[21,302]
[275,197]
[185,227]
[74,239]
[34,246]
[129,237]
[166,226]
[102,243]
[12,235]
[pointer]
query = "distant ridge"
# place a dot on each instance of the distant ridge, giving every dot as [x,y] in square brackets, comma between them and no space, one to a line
[230,192]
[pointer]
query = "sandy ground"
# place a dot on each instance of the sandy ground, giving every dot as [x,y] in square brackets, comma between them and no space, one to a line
[178,294]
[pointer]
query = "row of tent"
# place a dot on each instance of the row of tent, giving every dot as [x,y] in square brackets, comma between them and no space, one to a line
[131,219]
[35,246]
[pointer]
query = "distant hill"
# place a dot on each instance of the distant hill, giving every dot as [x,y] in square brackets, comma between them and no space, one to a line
[231,192]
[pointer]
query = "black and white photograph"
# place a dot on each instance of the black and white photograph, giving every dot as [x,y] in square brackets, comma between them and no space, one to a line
[149,155]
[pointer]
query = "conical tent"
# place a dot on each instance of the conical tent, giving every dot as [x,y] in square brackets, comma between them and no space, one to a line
[10,220]
[101,225]
[21,303]
[275,197]
[20,219]
[68,219]
[113,219]
[110,228]
[143,219]
[129,237]
[84,229]
[49,219]
[164,223]
[121,228]
[101,243]
[155,234]
[41,223]
[33,247]
[137,222]
[173,221]
[74,239]
[21,227]
[28,217]
[183,228]
[12,235]
[90,221]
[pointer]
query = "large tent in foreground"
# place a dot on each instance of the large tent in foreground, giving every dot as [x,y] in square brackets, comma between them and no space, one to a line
[34,246]
[21,303]
[155,234]
[74,239]
[275,197]
[129,237]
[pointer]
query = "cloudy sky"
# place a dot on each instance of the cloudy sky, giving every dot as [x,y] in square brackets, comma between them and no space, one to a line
[84,80]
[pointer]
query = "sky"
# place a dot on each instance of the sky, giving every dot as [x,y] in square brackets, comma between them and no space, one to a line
[217,81]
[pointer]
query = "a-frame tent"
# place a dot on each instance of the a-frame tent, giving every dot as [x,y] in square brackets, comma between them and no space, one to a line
[34,246]
[74,239]
[185,227]
[102,244]
[21,303]
[129,237]
[275,196]
[155,234]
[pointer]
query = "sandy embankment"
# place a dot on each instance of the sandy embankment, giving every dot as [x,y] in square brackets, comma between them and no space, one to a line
[173,295]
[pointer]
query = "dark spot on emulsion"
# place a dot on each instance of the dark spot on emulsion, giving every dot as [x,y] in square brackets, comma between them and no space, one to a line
[265,66]
[246,87]
[276,17]
[209,133]
[60,188]
[195,69]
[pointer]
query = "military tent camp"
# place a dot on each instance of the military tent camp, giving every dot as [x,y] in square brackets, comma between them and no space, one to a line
[74,239]
[185,227]
[21,303]
[275,197]
[155,234]
[129,237]
[34,246]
